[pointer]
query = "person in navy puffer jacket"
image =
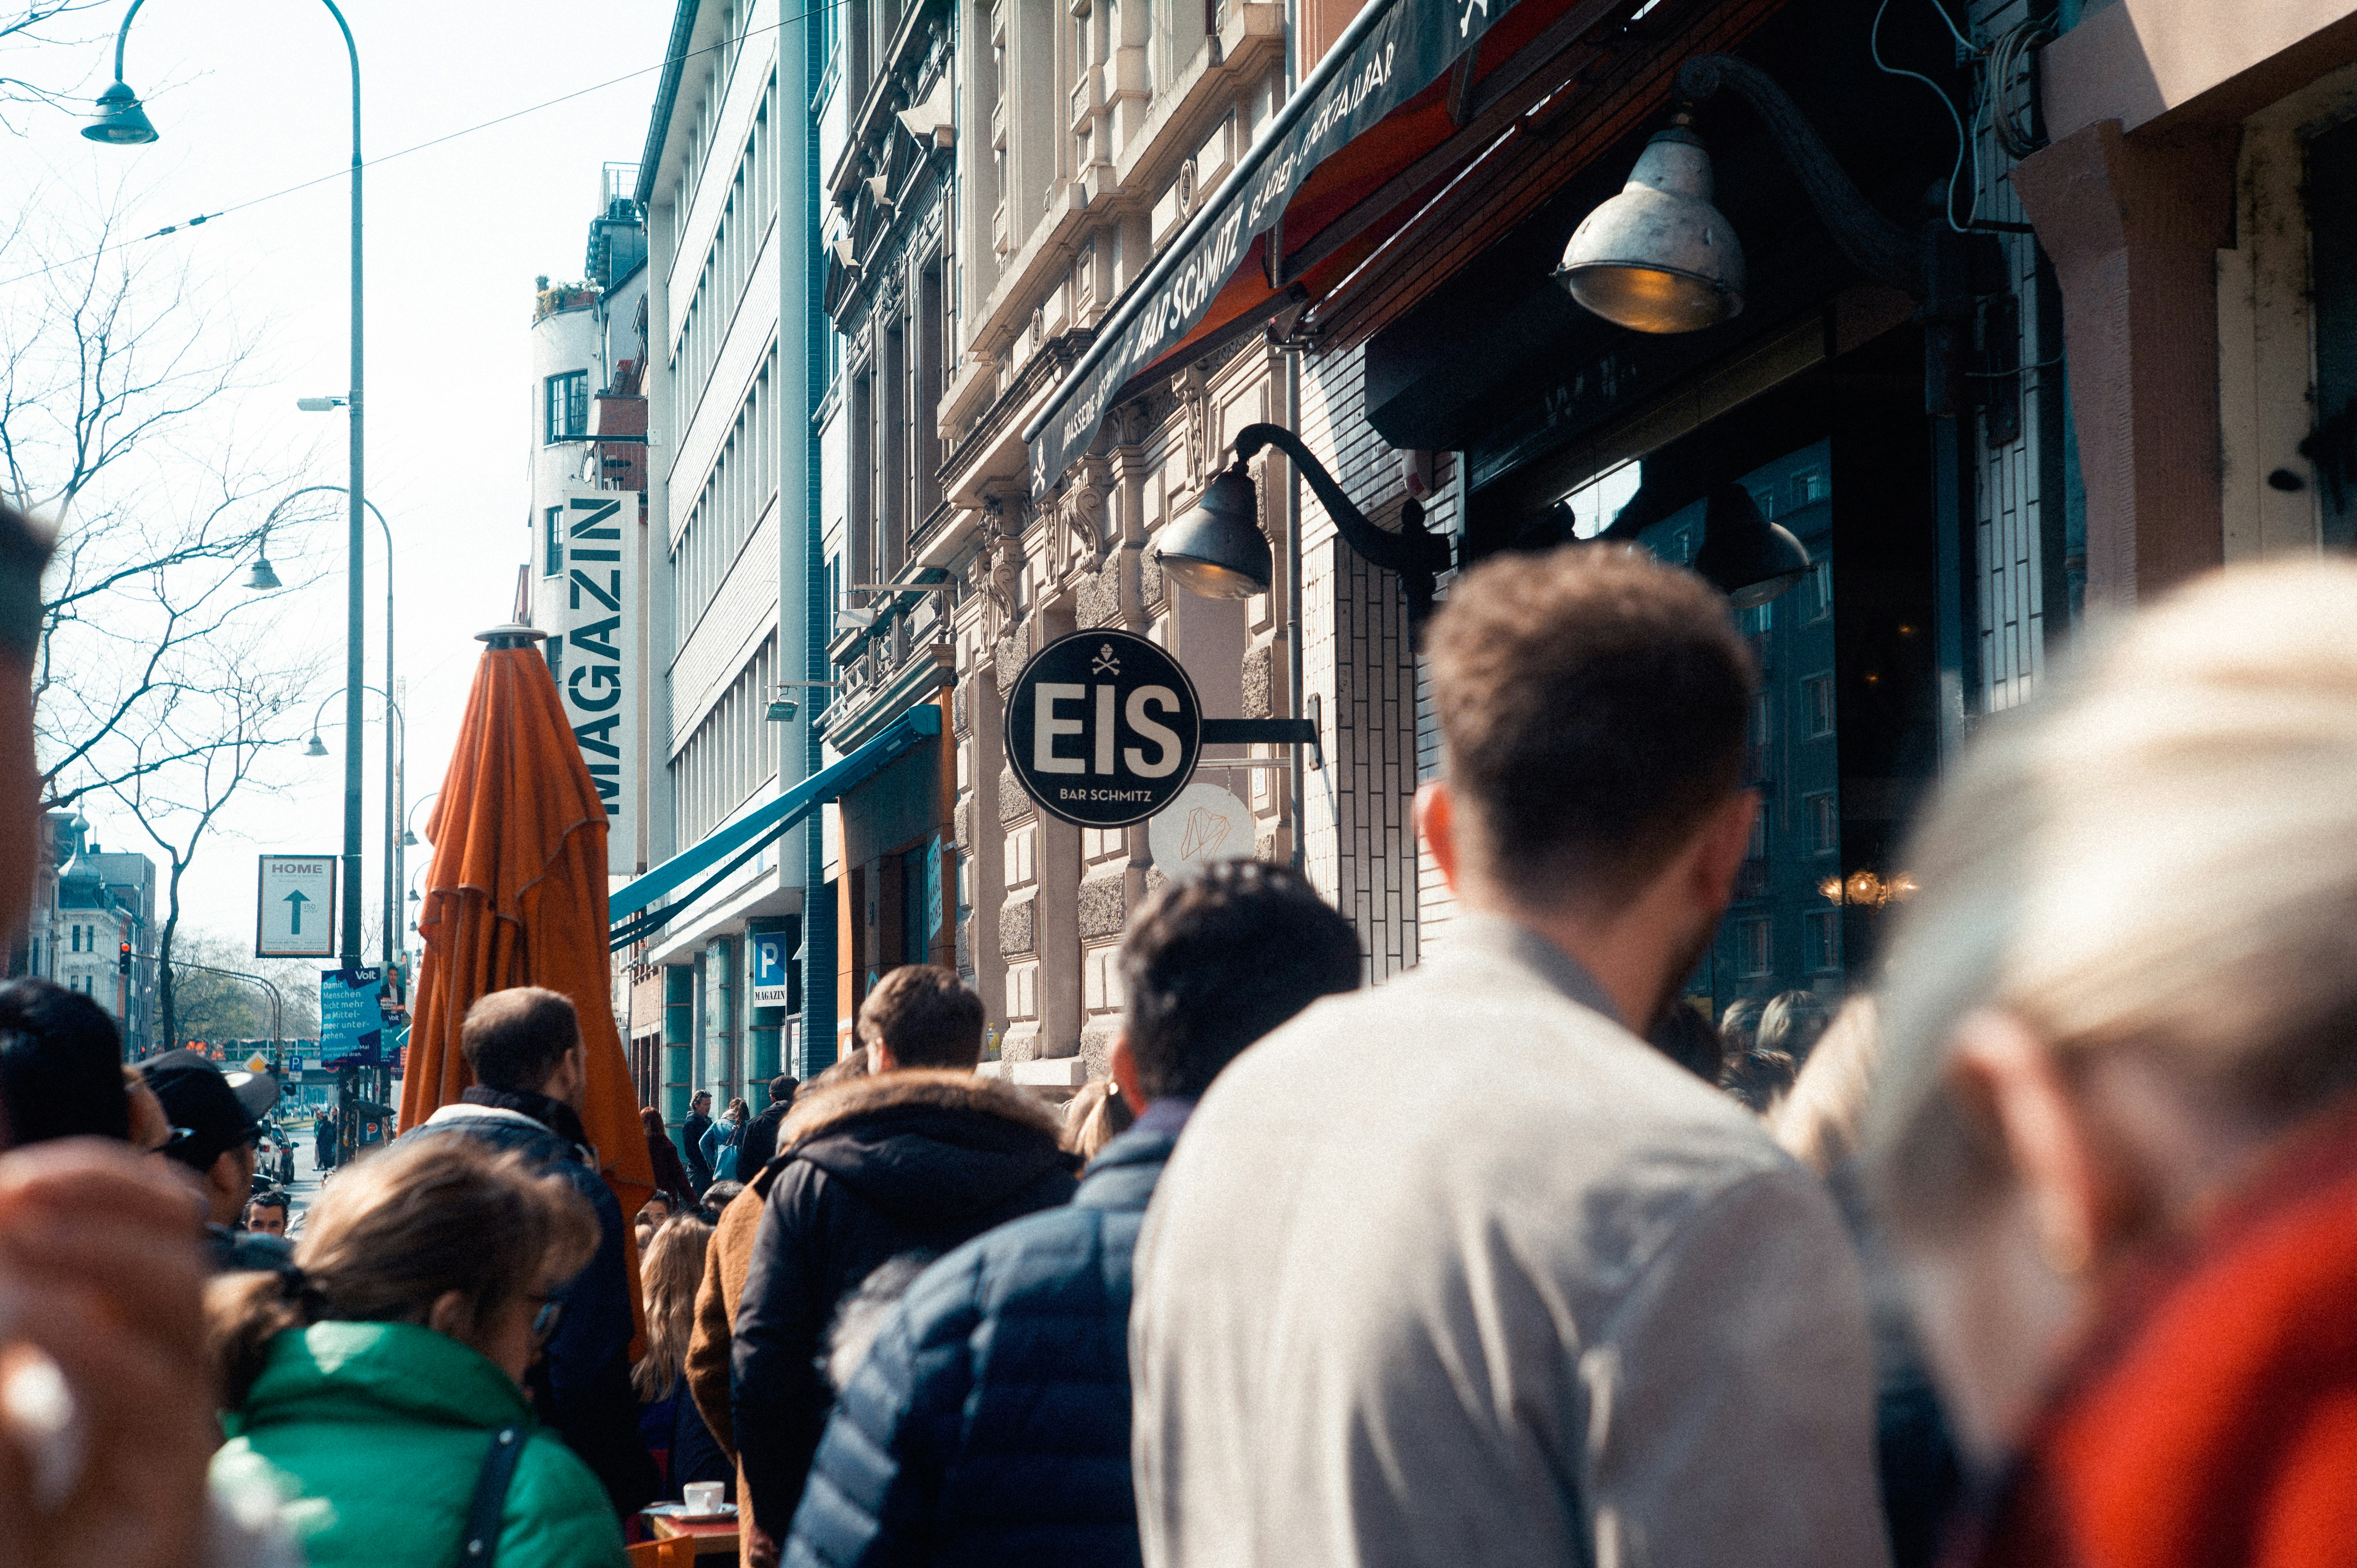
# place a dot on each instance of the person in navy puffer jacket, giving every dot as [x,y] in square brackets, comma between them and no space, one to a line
[989,1423]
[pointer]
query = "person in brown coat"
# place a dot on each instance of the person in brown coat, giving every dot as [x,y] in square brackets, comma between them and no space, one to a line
[725,1263]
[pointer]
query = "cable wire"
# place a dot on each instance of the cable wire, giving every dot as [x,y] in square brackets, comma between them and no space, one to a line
[345,173]
[1967,146]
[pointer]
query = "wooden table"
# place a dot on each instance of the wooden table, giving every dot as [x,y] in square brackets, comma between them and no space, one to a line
[717,1538]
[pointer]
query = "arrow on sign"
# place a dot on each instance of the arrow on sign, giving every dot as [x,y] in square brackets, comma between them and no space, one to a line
[298,900]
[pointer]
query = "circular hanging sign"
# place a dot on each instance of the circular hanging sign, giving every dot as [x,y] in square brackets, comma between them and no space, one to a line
[1102,728]
[1204,823]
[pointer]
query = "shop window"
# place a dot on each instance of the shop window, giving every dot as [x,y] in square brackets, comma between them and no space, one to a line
[1821,929]
[1825,824]
[1817,704]
[1753,956]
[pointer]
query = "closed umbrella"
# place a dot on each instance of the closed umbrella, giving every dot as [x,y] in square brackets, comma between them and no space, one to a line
[516,895]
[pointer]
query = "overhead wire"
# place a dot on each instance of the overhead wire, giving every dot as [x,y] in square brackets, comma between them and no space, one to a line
[345,172]
[1967,146]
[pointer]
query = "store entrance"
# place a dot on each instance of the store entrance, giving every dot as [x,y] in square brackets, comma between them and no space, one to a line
[1842,739]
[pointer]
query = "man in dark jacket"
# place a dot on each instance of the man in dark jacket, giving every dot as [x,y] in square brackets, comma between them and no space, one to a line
[758,1146]
[918,1157]
[531,1071]
[690,1140]
[990,1423]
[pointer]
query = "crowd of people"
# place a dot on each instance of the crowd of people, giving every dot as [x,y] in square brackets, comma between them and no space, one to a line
[2039,1251]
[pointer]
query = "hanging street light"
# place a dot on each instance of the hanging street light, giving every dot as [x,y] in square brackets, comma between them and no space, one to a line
[317,748]
[1743,555]
[1659,257]
[1216,549]
[262,579]
[120,119]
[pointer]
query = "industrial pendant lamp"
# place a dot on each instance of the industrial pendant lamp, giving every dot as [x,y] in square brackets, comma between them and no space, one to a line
[1216,548]
[1749,558]
[262,579]
[1659,257]
[317,748]
[120,119]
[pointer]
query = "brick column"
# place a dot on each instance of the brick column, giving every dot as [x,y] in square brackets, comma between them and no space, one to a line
[2134,224]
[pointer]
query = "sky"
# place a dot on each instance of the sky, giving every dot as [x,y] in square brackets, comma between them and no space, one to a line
[251,98]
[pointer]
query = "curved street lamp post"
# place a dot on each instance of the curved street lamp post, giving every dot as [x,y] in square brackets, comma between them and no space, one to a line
[123,121]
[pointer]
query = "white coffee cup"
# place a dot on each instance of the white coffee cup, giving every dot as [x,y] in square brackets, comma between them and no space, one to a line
[702,1496]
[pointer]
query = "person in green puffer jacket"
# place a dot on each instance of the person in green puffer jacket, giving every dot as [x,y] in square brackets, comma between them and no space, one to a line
[368,1383]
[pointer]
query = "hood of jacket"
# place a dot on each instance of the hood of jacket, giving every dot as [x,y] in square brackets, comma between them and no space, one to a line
[926,1144]
[372,1373]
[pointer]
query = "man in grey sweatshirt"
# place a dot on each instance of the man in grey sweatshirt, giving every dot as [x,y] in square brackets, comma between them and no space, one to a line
[1459,1271]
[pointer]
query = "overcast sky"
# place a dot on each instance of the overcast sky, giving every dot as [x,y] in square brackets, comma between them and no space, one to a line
[251,98]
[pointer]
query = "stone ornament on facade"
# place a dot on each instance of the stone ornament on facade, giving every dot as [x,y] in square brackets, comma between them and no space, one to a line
[1018,929]
[1104,905]
[1014,805]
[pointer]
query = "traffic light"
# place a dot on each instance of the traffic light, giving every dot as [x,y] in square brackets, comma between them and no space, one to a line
[123,960]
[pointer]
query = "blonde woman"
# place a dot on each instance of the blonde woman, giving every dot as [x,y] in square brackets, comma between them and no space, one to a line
[377,1384]
[668,1422]
[2116,1123]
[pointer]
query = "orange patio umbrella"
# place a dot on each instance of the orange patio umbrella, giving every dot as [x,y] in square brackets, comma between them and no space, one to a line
[516,895]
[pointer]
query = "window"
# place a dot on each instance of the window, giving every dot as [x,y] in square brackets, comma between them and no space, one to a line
[1821,588]
[1821,930]
[74,936]
[1759,847]
[1825,824]
[1809,487]
[554,520]
[568,405]
[1756,619]
[1817,704]
[1752,954]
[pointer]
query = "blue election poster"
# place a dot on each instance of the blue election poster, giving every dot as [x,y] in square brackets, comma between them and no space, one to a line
[351,1024]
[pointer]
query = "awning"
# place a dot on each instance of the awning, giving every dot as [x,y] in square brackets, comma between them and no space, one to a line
[1392,50]
[737,843]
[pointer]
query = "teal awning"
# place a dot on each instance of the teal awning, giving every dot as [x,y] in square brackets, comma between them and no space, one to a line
[723,852]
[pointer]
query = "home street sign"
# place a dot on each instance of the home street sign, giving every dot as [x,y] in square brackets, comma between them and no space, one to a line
[295,914]
[1102,728]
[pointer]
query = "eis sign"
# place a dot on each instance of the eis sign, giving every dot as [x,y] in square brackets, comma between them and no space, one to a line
[1102,728]
[597,667]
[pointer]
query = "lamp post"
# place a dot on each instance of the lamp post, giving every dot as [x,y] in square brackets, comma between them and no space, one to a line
[396,767]
[123,121]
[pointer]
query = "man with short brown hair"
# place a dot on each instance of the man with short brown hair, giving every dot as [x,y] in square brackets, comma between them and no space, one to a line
[531,1071]
[914,1158]
[1462,1270]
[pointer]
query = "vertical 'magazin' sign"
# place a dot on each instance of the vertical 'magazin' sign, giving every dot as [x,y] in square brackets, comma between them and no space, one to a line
[597,669]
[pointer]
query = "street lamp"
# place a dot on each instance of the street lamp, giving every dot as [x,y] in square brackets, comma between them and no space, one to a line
[1744,555]
[121,120]
[1660,258]
[396,767]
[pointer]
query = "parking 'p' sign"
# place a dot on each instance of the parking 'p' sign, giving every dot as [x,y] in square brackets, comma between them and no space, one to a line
[1102,728]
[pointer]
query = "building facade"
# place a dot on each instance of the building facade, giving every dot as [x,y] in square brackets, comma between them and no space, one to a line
[87,905]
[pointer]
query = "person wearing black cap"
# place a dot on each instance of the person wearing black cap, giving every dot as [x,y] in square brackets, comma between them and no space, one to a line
[60,1065]
[216,1120]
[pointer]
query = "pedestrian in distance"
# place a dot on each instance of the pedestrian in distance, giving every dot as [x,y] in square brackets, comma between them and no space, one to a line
[377,1384]
[652,1216]
[668,1418]
[1545,1298]
[990,1420]
[721,1140]
[266,1215]
[215,1127]
[324,1132]
[60,1065]
[758,1146]
[671,1171]
[690,1140]
[919,1155]
[2114,1131]
[531,1073]
[717,1197]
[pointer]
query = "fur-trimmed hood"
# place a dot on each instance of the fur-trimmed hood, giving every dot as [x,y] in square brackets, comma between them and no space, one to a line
[926,1143]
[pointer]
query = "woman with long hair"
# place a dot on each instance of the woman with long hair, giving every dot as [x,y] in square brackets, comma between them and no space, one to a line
[671,1171]
[668,1421]
[376,1385]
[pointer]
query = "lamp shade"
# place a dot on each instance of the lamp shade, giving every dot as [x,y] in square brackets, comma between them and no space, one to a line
[262,579]
[1216,549]
[1658,257]
[1750,559]
[120,119]
[317,748]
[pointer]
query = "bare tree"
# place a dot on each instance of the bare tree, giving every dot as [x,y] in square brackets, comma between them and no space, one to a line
[118,392]
[232,709]
[219,1007]
[46,50]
